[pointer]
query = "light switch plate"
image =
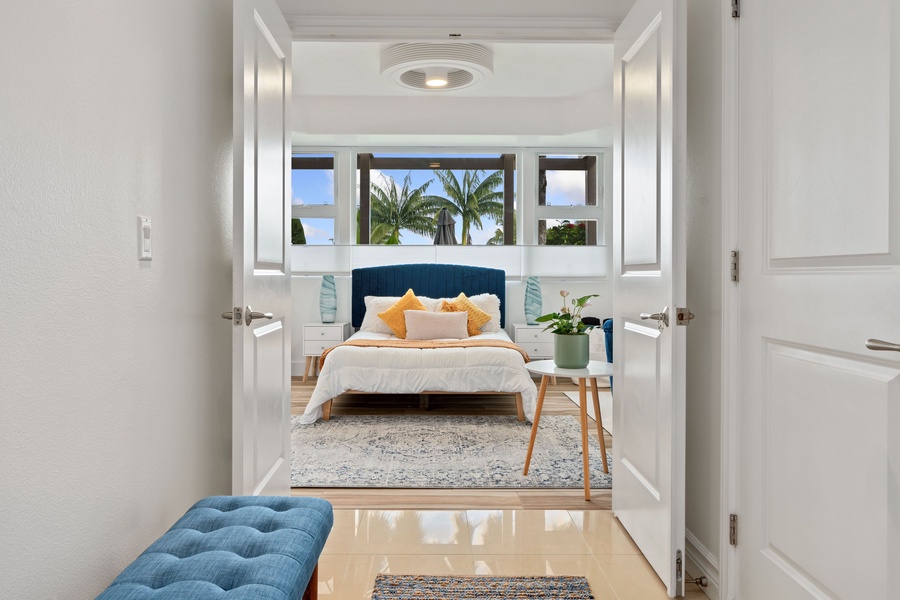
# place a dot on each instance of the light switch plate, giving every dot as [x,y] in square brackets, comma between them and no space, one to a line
[144,239]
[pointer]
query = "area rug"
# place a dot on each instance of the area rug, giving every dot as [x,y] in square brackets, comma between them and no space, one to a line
[429,587]
[606,407]
[433,451]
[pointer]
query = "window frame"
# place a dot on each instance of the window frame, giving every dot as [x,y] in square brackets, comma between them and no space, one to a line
[592,165]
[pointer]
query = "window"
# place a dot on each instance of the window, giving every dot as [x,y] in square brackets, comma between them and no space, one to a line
[401,198]
[568,200]
[312,199]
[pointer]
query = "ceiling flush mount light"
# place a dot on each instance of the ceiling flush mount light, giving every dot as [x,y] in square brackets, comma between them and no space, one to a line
[436,76]
[437,67]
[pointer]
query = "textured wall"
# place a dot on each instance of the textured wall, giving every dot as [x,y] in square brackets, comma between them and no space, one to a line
[115,376]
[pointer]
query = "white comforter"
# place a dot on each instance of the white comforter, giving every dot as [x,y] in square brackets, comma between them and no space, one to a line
[411,371]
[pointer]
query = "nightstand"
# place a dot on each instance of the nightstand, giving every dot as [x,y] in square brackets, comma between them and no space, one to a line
[534,340]
[318,337]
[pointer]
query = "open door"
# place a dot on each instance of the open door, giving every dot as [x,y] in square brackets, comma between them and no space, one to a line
[649,278]
[818,415]
[261,386]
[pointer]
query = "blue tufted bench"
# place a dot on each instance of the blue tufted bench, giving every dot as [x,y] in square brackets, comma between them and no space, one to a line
[230,547]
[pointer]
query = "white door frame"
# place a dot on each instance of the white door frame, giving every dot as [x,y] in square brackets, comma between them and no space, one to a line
[730,384]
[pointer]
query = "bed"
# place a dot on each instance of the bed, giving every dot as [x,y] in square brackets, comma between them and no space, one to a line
[494,366]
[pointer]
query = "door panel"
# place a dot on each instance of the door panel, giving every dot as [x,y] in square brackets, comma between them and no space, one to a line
[818,412]
[262,154]
[640,151]
[649,275]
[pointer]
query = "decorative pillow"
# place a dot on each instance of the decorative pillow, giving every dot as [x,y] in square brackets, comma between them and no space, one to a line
[376,304]
[394,316]
[424,325]
[477,317]
[490,304]
[371,321]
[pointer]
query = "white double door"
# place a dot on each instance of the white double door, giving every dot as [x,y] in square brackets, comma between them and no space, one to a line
[818,417]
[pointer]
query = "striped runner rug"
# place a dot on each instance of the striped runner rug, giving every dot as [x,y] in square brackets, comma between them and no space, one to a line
[451,587]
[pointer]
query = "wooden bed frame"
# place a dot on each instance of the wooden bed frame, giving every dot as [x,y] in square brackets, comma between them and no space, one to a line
[433,281]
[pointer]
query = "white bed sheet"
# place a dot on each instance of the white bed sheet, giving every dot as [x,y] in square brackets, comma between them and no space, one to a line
[404,371]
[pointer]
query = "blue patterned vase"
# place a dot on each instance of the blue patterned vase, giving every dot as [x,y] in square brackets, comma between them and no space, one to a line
[533,304]
[328,299]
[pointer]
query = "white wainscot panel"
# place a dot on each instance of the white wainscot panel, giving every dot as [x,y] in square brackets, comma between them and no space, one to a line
[637,401]
[825,448]
[269,407]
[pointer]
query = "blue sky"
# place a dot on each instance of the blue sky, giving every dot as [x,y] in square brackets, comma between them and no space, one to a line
[310,187]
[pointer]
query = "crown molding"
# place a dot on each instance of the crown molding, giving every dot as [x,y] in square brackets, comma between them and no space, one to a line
[464,29]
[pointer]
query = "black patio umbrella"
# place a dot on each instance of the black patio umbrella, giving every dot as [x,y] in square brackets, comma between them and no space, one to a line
[446,229]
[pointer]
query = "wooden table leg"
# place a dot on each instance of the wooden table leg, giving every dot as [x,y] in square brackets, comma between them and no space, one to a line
[599,421]
[537,418]
[582,405]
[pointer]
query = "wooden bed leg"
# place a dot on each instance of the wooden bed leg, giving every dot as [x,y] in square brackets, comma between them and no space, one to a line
[520,410]
[423,401]
[326,410]
[312,588]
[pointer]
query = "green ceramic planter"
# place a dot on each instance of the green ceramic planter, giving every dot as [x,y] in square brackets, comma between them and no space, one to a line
[571,351]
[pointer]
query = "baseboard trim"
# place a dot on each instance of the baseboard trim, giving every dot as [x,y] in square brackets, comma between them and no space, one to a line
[700,562]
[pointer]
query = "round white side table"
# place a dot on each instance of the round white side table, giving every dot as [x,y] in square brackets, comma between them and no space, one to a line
[547,369]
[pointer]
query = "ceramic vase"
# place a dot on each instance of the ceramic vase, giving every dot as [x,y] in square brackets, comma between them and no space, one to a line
[328,299]
[571,351]
[532,300]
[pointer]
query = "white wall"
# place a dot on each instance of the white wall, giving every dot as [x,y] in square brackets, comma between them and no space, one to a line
[115,379]
[704,290]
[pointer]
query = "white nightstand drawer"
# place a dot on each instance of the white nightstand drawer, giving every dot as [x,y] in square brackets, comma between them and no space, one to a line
[323,333]
[537,349]
[317,347]
[533,334]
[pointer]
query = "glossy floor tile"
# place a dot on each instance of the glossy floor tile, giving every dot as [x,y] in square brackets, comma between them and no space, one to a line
[589,543]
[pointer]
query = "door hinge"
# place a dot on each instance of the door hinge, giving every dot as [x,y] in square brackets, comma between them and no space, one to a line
[735,265]
[736,8]
[683,316]
[732,530]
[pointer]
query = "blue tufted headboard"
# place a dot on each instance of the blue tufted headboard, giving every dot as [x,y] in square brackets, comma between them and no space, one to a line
[434,281]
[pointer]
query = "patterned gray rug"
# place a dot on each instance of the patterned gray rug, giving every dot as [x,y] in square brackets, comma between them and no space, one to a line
[425,451]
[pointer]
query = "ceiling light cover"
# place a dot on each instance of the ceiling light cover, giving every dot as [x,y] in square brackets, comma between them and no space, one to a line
[413,65]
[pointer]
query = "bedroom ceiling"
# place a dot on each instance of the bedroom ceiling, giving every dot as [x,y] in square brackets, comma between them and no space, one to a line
[551,84]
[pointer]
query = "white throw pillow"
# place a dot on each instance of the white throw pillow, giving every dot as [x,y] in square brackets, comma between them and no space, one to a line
[377,304]
[424,325]
[490,304]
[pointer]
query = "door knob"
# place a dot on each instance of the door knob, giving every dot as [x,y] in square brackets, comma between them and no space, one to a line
[252,314]
[662,317]
[874,344]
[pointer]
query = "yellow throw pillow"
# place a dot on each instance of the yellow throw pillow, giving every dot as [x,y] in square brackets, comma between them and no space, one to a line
[394,316]
[477,317]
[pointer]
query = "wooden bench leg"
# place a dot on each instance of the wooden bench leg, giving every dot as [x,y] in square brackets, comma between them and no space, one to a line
[312,588]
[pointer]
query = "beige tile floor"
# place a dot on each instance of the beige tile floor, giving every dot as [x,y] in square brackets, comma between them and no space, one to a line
[590,543]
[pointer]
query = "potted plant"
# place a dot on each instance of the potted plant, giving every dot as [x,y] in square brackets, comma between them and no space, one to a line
[571,344]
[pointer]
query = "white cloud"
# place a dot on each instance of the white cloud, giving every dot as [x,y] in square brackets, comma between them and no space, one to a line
[314,233]
[565,188]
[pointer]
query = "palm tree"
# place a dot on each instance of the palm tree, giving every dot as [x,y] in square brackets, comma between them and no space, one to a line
[472,198]
[394,209]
